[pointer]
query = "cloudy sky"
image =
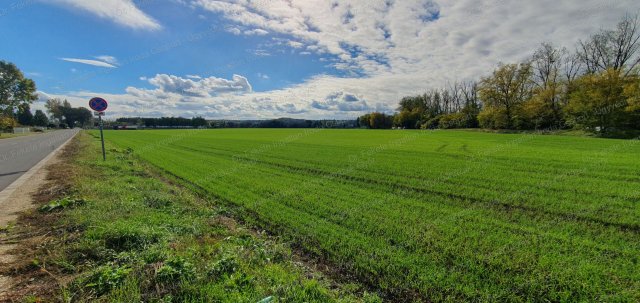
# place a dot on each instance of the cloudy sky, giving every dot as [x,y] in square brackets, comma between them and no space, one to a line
[269,58]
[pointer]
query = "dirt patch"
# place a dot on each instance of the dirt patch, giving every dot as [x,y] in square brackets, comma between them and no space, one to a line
[25,231]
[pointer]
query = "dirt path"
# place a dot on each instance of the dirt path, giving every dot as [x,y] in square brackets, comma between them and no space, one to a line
[14,203]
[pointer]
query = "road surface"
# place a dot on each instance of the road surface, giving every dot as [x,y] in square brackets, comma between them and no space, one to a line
[19,154]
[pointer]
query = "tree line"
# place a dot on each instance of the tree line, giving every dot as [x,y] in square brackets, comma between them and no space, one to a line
[163,122]
[199,122]
[595,88]
[17,93]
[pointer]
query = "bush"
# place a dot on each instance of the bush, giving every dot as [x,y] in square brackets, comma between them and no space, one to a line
[493,118]
[7,123]
[455,120]
[432,123]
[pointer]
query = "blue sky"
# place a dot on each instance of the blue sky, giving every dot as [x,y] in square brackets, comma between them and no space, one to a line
[265,59]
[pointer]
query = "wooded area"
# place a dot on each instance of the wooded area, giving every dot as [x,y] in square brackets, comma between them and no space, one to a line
[595,88]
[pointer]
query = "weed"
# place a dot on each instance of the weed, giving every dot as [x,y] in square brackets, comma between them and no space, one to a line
[61,204]
[175,269]
[106,278]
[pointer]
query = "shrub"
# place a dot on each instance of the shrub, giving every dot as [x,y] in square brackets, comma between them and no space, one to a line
[7,123]
[455,120]
[432,123]
[493,118]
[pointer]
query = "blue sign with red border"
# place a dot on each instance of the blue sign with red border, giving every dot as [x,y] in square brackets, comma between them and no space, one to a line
[98,104]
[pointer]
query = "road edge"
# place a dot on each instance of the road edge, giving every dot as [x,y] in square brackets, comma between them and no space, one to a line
[9,190]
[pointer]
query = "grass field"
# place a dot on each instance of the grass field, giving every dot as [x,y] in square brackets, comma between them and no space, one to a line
[118,231]
[429,215]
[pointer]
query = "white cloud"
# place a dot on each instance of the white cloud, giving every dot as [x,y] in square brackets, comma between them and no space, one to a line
[386,49]
[389,49]
[295,44]
[123,12]
[89,62]
[108,59]
[342,101]
[261,53]
[200,87]
[234,30]
[257,32]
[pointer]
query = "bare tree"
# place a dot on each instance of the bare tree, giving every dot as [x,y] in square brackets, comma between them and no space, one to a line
[455,92]
[617,49]
[546,62]
[572,67]
[469,91]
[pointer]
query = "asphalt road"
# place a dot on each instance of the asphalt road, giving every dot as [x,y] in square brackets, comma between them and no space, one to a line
[18,155]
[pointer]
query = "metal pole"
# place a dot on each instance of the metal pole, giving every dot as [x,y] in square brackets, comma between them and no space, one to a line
[104,155]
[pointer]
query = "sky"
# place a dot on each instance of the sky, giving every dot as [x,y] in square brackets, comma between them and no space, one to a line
[262,59]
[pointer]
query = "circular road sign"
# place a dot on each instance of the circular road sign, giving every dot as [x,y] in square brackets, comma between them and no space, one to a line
[98,104]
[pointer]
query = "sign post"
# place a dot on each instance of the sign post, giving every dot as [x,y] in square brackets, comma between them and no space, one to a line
[100,105]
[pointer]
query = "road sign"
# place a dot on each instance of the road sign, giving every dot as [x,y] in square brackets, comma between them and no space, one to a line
[98,104]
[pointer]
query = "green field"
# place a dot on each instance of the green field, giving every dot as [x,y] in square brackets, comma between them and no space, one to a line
[429,215]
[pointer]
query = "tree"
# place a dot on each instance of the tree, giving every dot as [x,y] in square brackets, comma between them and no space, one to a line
[62,110]
[613,49]
[600,101]
[24,114]
[15,89]
[547,64]
[76,116]
[363,121]
[7,123]
[40,119]
[54,107]
[407,119]
[198,122]
[504,92]
[632,93]
[380,120]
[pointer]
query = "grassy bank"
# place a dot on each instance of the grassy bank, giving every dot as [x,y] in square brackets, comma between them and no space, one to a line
[123,233]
